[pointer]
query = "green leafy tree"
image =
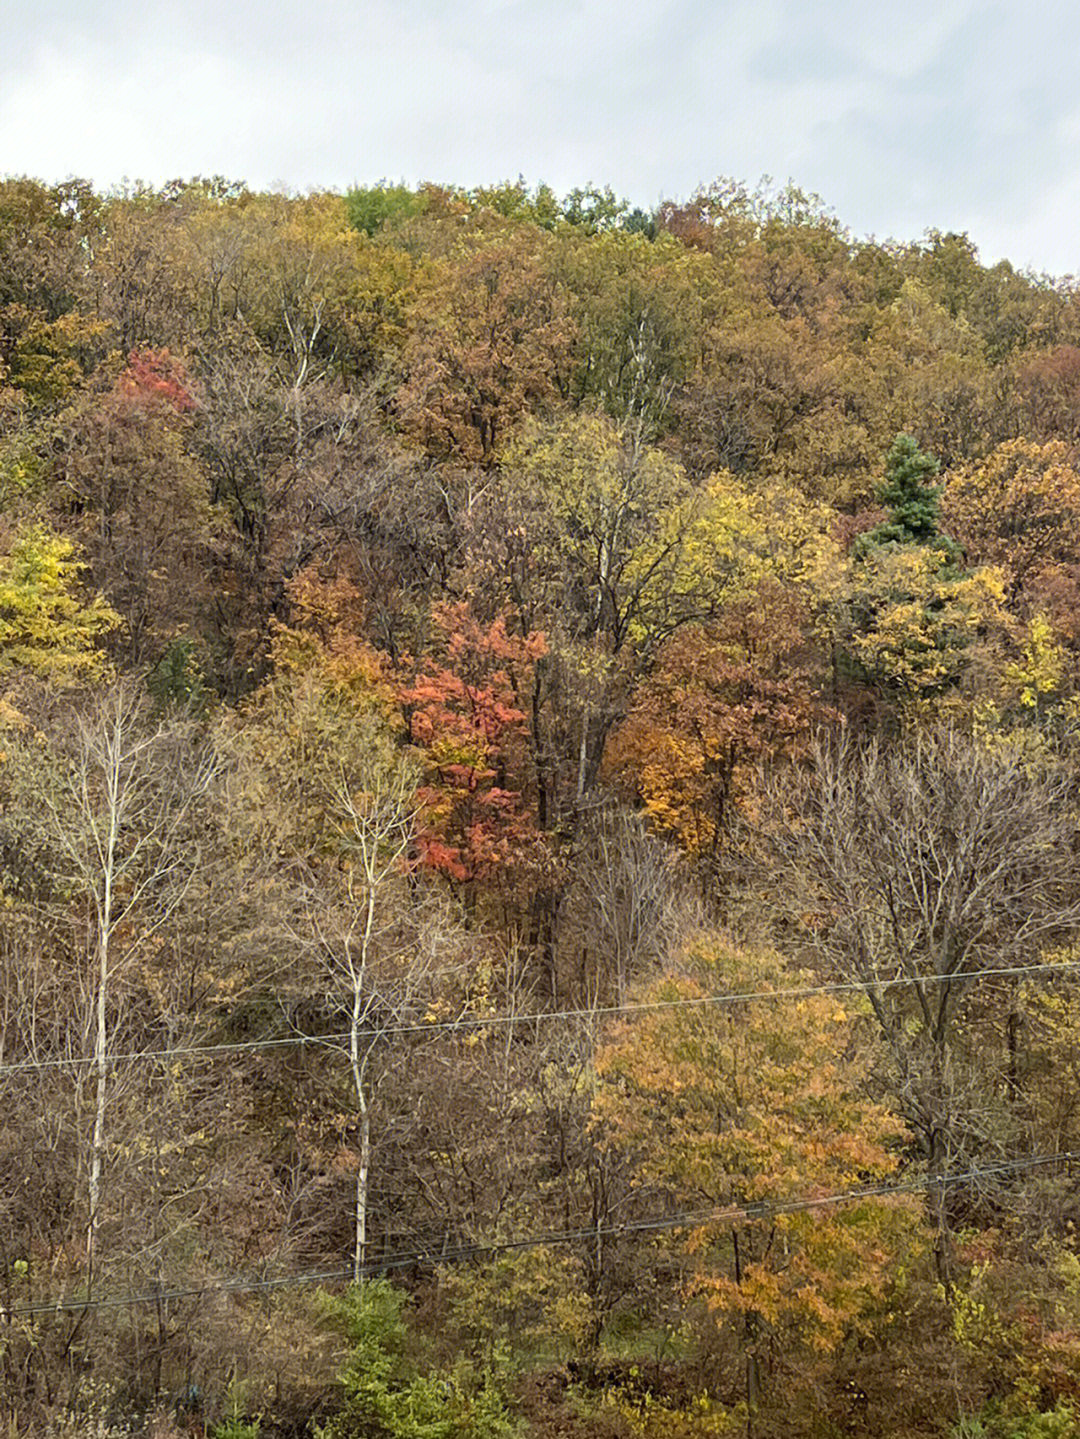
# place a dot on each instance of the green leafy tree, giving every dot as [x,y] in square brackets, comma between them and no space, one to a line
[386,1394]
[371,207]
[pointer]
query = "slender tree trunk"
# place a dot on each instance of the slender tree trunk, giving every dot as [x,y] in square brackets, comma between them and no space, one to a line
[363,1167]
[362,1173]
[942,1243]
[357,1063]
[942,1236]
[1012,1044]
[104,907]
[583,754]
[97,1143]
[750,1336]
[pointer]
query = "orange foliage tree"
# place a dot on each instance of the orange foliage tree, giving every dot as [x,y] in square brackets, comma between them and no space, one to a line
[463,708]
[721,699]
[746,1114]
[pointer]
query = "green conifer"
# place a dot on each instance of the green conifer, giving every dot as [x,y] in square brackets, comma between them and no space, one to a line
[914,504]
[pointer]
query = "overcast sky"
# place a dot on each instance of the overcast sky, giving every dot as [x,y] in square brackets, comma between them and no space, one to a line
[954,114]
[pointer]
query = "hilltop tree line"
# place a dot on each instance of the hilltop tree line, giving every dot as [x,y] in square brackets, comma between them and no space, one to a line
[539,789]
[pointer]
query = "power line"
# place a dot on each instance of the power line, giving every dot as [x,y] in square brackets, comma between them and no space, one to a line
[738,1213]
[474,1023]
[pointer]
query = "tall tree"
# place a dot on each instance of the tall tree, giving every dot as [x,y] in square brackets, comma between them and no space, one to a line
[141,503]
[729,1107]
[113,799]
[923,862]
[326,787]
[489,345]
[1019,510]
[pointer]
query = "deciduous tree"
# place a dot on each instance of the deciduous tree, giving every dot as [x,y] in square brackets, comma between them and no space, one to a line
[728,1107]
[922,862]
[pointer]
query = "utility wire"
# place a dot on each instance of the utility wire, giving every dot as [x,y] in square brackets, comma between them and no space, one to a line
[738,1213]
[475,1023]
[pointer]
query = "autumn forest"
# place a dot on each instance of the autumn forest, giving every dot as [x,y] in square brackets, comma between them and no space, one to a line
[539,820]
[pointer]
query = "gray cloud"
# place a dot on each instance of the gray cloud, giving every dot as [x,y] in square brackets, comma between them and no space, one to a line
[956,114]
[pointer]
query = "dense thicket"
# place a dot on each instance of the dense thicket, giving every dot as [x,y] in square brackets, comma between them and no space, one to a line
[449,641]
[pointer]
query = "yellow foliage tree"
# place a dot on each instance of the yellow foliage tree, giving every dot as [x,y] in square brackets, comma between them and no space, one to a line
[46,625]
[908,622]
[754,1110]
[1019,510]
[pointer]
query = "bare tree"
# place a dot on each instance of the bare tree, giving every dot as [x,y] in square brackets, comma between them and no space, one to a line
[110,797]
[624,906]
[357,930]
[327,789]
[924,862]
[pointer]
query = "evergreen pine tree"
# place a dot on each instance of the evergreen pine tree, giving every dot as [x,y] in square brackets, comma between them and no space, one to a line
[914,504]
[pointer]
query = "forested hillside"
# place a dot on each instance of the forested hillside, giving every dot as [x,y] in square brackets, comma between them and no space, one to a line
[539,810]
